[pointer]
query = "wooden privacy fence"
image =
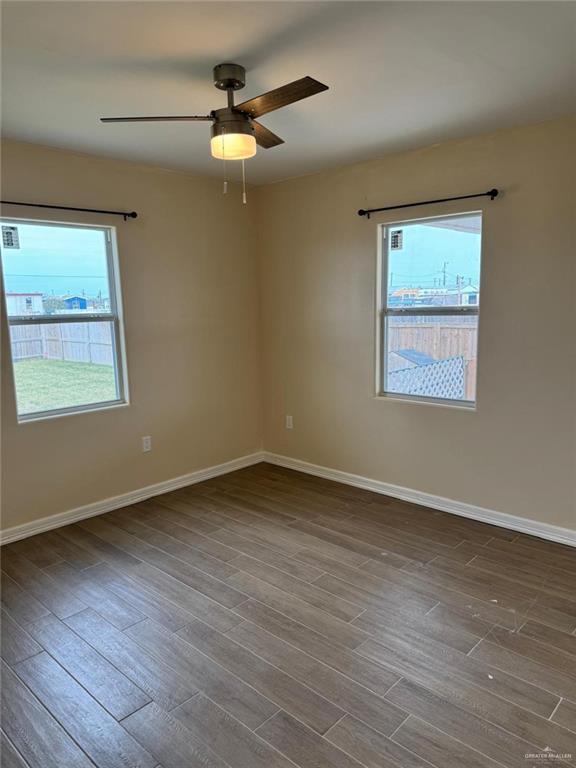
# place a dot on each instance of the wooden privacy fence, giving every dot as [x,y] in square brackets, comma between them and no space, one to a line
[72,342]
[440,340]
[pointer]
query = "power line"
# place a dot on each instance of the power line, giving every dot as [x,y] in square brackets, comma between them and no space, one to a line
[78,277]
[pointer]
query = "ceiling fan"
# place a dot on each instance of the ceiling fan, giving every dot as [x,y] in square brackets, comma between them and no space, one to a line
[235,130]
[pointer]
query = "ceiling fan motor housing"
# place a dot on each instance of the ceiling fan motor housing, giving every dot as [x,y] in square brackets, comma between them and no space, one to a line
[229,76]
[229,121]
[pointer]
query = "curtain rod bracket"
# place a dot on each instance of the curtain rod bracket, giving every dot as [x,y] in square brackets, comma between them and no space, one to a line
[492,193]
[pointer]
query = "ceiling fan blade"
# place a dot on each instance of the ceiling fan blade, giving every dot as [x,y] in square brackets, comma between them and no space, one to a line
[264,137]
[281,97]
[160,118]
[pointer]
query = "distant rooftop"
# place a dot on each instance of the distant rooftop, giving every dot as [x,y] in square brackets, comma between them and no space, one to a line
[419,358]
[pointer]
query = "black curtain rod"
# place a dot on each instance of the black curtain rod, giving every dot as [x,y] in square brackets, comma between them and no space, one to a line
[492,193]
[125,214]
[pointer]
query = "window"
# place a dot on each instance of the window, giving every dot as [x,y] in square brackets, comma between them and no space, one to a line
[62,298]
[429,306]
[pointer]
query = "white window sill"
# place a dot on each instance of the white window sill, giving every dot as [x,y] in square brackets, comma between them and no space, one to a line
[410,399]
[76,411]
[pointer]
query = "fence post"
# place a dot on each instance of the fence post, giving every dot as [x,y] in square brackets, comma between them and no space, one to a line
[89,343]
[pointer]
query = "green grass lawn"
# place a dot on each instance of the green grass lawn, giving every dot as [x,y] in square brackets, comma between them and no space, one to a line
[43,385]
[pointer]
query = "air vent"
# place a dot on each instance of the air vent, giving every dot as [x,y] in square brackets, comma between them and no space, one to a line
[10,237]
[396,238]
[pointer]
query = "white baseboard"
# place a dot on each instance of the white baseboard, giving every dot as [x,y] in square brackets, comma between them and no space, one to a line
[502,519]
[125,499]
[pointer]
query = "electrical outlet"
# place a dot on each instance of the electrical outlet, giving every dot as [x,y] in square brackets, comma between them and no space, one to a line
[146,444]
[289,422]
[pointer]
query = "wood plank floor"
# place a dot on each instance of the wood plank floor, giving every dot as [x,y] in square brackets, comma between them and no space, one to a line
[269,619]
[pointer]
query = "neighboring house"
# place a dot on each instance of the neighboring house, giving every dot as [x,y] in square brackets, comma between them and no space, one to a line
[469,295]
[24,303]
[75,302]
[449,297]
[404,297]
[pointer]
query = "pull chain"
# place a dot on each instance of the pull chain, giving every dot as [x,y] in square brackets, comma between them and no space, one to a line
[243,183]
[225,189]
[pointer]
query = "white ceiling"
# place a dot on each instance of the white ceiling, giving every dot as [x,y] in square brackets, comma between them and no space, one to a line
[401,74]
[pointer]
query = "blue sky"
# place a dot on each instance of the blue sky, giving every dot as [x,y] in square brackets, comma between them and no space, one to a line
[420,262]
[56,260]
[72,260]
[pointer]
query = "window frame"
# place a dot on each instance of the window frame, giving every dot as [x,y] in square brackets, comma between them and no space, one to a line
[114,316]
[383,312]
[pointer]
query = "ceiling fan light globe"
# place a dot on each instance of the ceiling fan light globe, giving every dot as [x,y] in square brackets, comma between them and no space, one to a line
[233,146]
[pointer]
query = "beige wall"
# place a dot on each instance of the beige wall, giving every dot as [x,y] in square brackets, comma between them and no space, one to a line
[190,299]
[515,453]
[193,293]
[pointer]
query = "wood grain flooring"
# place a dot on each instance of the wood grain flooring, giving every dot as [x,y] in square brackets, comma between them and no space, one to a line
[270,619]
